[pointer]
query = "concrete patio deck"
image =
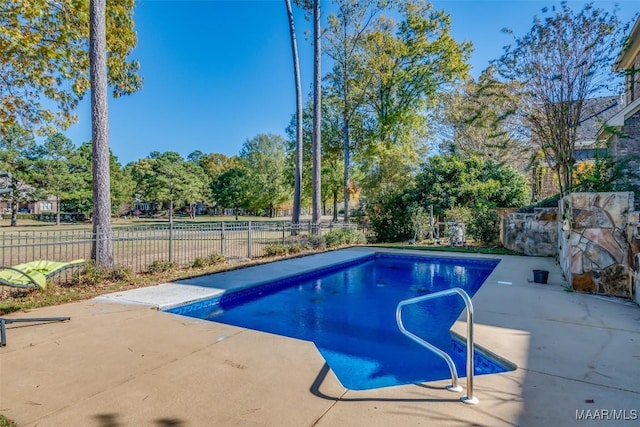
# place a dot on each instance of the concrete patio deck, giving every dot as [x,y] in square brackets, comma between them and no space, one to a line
[119,362]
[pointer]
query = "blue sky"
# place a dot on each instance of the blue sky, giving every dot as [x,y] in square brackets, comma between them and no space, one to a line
[219,72]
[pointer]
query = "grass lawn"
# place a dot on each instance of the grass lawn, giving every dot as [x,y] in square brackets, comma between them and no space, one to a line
[32,225]
[468,249]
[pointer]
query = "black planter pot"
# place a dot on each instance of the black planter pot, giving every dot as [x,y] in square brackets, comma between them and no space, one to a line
[540,276]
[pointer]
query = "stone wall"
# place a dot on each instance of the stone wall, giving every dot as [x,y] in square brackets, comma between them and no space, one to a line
[594,251]
[533,234]
[626,146]
[633,236]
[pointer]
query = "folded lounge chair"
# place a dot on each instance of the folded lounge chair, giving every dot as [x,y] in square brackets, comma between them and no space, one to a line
[32,274]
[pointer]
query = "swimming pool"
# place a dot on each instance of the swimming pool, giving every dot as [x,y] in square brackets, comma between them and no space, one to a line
[348,312]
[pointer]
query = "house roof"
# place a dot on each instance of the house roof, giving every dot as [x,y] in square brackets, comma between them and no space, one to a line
[631,49]
[595,112]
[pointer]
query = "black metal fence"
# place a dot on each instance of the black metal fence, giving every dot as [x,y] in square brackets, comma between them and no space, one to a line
[137,247]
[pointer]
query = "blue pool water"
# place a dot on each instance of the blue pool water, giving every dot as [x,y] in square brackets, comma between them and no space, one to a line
[348,312]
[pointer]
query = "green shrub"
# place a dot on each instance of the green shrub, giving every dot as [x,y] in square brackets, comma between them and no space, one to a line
[216,258]
[344,236]
[390,217]
[160,266]
[199,263]
[296,248]
[276,250]
[484,226]
[317,242]
[120,273]
[92,274]
[212,259]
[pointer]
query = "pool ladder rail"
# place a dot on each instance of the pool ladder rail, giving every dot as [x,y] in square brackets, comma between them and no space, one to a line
[454,386]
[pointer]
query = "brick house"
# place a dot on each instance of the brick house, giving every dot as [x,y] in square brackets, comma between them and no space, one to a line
[623,129]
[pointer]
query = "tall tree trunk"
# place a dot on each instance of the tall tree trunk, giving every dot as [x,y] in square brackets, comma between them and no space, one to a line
[57,210]
[345,135]
[14,214]
[335,206]
[102,249]
[317,104]
[297,191]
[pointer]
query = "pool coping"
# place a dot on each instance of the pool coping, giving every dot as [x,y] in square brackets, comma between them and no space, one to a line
[192,290]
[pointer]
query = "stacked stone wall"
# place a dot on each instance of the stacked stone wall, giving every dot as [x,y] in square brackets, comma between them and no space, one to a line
[595,254]
[534,234]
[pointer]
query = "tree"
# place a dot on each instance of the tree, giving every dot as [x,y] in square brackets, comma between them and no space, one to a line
[265,157]
[344,35]
[297,189]
[216,164]
[80,196]
[165,178]
[231,190]
[406,66]
[479,121]
[564,59]
[17,157]
[45,55]
[317,106]
[332,164]
[53,174]
[102,248]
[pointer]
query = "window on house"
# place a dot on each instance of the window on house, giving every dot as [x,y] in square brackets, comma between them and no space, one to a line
[45,206]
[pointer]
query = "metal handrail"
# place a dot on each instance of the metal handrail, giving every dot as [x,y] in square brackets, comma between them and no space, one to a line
[469,398]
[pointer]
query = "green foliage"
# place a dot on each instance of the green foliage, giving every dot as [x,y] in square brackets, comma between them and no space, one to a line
[472,118]
[265,158]
[5,422]
[168,178]
[53,175]
[18,152]
[317,242]
[549,202]
[284,249]
[390,217]
[79,196]
[276,250]
[212,259]
[405,66]
[421,223]
[45,59]
[607,173]
[448,180]
[231,189]
[93,274]
[344,236]
[160,266]
[458,214]
[484,226]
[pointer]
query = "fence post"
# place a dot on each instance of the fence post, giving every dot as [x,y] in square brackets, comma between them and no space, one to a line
[249,240]
[170,241]
[222,251]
